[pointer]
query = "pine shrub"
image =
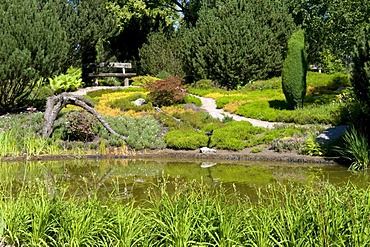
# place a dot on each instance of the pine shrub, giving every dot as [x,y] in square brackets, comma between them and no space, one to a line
[294,71]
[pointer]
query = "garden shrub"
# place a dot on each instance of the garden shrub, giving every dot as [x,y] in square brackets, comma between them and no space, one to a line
[233,135]
[70,81]
[186,139]
[294,71]
[166,92]
[143,132]
[143,80]
[203,84]
[77,126]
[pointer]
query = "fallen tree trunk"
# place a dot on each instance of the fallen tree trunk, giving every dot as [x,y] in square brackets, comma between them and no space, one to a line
[56,103]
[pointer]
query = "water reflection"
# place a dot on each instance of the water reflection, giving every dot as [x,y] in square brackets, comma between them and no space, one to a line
[131,178]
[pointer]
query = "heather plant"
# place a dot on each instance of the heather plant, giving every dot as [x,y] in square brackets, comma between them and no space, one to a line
[294,71]
[143,80]
[125,103]
[166,92]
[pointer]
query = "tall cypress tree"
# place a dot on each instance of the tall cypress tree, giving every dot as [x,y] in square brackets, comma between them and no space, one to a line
[33,44]
[295,70]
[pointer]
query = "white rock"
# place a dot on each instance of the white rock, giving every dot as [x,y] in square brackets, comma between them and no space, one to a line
[139,102]
[205,150]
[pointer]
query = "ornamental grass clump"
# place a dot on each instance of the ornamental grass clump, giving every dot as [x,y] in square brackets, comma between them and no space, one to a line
[294,71]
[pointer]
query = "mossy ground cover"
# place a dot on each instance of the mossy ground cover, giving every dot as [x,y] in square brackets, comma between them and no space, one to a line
[265,100]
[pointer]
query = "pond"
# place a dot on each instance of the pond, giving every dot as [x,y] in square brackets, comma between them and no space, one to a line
[131,178]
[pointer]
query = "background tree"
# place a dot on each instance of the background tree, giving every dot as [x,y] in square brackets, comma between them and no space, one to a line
[162,53]
[87,22]
[33,45]
[295,70]
[361,78]
[238,41]
[331,27]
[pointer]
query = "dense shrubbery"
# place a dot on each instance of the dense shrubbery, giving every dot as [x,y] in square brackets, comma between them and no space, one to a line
[294,71]
[186,139]
[162,53]
[238,41]
[166,92]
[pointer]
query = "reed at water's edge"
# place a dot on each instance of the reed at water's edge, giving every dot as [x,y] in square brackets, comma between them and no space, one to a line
[195,214]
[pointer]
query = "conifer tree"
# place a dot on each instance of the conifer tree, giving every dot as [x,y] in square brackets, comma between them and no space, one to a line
[295,70]
[33,44]
[238,41]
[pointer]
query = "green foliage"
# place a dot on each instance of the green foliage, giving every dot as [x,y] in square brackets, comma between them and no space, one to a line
[186,213]
[294,71]
[126,104]
[356,149]
[330,63]
[190,99]
[30,49]
[311,147]
[143,80]
[166,92]
[142,132]
[203,84]
[162,53]
[70,81]
[228,38]
[186,139]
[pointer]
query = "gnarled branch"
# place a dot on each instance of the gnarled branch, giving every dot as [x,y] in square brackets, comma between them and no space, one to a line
[56,103]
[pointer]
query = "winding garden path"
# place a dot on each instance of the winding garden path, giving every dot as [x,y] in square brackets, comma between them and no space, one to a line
[209,105]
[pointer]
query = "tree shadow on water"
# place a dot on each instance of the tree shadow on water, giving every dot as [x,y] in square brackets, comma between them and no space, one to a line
[279,104]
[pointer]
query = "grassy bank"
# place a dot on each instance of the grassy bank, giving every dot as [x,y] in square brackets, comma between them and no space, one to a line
[195,214]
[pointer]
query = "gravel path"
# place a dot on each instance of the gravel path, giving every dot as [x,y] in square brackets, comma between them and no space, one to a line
[209,105]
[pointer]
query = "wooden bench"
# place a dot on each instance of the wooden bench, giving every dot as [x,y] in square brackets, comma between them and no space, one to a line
[123,66]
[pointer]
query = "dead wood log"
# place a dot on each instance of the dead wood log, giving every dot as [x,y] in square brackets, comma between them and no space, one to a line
[56,103]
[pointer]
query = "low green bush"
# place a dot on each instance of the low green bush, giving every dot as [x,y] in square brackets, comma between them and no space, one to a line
[143,80]
[203,84]
[190,99]
[185,139]
[99,93]
[144,132]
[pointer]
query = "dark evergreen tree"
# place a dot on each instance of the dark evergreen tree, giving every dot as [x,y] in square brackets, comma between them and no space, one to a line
[238,41]
[33,44]
[87,22]
[295,70]
[162,53]
[361,78]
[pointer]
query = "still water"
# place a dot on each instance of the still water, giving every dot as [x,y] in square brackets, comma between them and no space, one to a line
[131,178]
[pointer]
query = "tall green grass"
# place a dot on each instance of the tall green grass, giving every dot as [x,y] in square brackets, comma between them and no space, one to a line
[195,214]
